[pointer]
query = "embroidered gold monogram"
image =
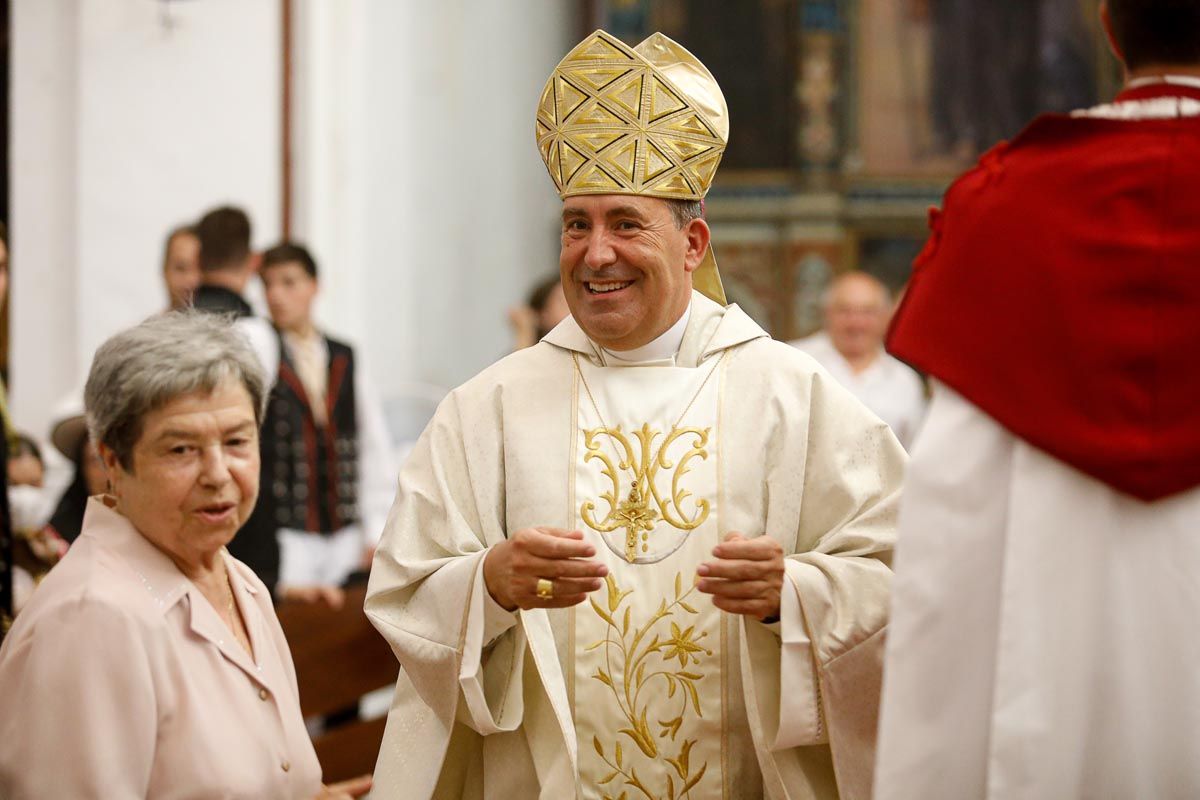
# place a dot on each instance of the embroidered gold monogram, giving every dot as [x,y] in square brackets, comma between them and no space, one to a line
[630,669]
[645,504]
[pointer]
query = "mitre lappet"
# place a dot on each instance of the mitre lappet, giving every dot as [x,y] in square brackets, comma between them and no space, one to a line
[647,120]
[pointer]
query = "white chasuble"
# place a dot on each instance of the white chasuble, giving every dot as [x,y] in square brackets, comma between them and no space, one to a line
[644,690]
[650,664]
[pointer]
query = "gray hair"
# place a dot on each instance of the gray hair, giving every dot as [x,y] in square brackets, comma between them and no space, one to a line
[684,211]
[169,355]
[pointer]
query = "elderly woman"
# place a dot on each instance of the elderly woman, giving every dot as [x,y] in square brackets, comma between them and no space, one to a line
[150,663]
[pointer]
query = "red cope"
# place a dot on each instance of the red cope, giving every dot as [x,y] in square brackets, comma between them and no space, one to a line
[1059,292]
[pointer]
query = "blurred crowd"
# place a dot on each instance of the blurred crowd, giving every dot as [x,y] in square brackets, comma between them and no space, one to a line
[327,459]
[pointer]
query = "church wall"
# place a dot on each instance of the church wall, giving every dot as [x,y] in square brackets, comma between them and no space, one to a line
[848,118]
[128,119]
[460,216]
[417,182]
[415,177]
[43,325]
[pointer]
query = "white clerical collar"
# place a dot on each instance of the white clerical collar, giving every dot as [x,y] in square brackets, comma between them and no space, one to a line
[1173,80]
[664,348]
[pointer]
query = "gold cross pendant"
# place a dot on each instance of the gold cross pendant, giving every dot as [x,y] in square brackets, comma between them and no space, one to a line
[637,518]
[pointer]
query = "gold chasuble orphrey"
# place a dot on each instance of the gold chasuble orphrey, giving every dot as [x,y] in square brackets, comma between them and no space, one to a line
[649,667]
[647,120]
[650,660]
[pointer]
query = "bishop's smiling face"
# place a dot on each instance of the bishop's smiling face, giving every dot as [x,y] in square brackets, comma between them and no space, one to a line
[626,267]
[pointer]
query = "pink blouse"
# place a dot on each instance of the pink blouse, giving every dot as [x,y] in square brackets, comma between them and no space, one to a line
[119,680]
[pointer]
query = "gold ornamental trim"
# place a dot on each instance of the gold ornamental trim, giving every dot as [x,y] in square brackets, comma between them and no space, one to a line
[646,505]
[639,656]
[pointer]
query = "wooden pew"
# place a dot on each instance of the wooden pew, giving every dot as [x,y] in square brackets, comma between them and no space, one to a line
[339,657]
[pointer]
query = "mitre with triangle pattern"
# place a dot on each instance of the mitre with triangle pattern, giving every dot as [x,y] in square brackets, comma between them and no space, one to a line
[648,120]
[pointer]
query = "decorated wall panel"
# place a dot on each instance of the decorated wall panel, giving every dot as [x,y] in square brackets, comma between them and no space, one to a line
[850,117]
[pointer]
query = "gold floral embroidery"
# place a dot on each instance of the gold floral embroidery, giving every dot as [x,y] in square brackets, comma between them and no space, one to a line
[627,645]
[635,513]
[682,645]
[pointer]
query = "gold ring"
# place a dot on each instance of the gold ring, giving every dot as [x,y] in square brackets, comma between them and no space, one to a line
[545,589]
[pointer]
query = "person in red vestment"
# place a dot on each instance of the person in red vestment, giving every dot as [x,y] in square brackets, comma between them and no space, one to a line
[1041,643]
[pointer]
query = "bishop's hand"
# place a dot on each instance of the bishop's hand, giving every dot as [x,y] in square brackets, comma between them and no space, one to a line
[557,558]
[745,576]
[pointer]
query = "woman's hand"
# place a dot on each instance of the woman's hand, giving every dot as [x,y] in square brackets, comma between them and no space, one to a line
[346,790]
[331,595]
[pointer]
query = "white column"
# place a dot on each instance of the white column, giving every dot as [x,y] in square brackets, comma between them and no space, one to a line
[43,226]
[418,182]
[330,171]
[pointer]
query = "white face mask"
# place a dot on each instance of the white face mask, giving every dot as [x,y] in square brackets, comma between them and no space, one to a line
[29,507]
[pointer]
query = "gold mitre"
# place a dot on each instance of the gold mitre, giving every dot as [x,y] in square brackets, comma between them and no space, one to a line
[649,120]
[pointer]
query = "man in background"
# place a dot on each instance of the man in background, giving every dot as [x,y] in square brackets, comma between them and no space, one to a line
[857,309]
[226,262]
[328,476]
[226,266]
[1043,638]
[181,266]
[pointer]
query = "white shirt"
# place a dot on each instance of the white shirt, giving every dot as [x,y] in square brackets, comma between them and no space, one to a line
[888,387]
[264,342]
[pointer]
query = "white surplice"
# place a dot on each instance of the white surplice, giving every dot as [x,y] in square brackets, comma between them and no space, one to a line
[535,704]
[1042,643]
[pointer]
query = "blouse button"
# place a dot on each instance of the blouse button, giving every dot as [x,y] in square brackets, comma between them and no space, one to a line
[262,694]
[287,765]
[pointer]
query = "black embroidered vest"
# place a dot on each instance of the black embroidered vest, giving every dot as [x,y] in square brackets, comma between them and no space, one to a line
[310,474]
[308,478]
